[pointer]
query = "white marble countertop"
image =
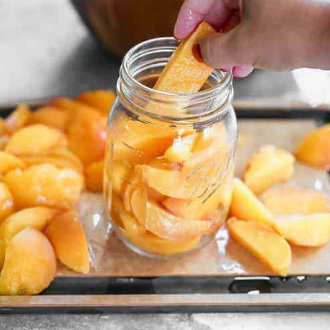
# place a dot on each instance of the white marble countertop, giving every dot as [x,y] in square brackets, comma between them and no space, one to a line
[45,51]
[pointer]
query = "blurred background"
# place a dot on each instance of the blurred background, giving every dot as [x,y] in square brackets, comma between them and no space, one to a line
[62,47]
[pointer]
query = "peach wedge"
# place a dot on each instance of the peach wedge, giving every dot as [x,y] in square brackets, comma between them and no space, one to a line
[67,236]
[101,100]
[305,230]
[314,149]
[185,72]
[35,139]
[94,176]
[268,166]
[44,185]
[36,217]
[6,202]
[30,264]
[263,242]
[9,162]
[246,206]
[18,118]
[295,200]
[50,116]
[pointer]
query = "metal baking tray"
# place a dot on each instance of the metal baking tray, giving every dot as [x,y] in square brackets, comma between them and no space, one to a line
[188,292]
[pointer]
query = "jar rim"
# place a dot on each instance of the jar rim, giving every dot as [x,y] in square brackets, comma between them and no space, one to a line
[209,92]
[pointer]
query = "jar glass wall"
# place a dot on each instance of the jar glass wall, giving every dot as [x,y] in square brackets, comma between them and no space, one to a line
[169,157]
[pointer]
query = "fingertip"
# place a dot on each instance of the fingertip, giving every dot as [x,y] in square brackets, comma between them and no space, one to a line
[242,71]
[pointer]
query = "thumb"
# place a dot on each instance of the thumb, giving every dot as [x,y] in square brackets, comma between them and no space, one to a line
[226,50]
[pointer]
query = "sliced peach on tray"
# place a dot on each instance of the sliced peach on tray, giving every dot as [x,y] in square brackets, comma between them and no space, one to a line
[101,100]
[268,166]
[30,264]
[263,242]
[295,200]
[50,116]
[86,135]
[67,236]
[44,185]
[185,72]
[94,176]
[35,139]
[9,162]
[246,206]
[314,149]
[305,230]
[6,202]
[18,118]
[36,217]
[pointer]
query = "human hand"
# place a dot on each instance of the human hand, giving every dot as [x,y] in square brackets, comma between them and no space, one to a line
[272,34]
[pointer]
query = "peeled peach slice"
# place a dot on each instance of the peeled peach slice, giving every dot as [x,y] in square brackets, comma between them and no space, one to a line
[35,139]
[86,134]
[137,142]
[101,100]
[305,230]
[246,206]
[36,217]
[295,200]
[18,118]
[44,185]
[120,175]
[200,207]
[185,72]
[6,202]
[263,242]
[181,149]
[9,162]
[314,149]
[50,116]
[68,238]
[268,166]
[94,176]
[3,141]
[30,264]
[3,128]
[164,224]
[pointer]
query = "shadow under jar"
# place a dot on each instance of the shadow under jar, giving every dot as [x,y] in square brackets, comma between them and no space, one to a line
[169,157]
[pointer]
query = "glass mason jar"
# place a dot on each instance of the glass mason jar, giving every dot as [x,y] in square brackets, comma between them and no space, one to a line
[169,157]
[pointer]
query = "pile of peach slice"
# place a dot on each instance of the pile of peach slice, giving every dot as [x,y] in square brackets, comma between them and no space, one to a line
[174,190]
[283,213]
[47,158]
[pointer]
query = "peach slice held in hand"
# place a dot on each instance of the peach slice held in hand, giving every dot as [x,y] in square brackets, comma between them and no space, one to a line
[18,118]
[263,242]
[268,166]
[101,100]
[67,236]
[36,217]
[295,200]
[246,206]
[6,202]
[305,230]
[314,149]
[44,185]
[30,264]
[184,72]
[35,139]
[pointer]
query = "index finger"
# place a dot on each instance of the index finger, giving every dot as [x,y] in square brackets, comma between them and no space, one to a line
[190,15]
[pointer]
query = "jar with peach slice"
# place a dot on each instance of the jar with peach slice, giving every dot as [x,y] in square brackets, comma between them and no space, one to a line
[169,156]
